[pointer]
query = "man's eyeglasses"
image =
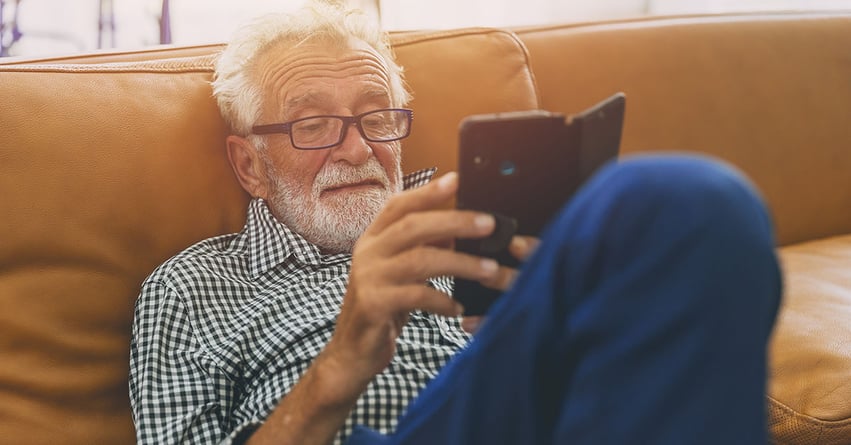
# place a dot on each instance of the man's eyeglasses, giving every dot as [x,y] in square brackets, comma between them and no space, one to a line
[318,132]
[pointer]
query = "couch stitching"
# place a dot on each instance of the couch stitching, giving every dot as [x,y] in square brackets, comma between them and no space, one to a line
[196,64]
[668,20]
[826,424]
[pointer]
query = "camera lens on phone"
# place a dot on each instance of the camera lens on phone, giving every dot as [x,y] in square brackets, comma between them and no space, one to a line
[507,168]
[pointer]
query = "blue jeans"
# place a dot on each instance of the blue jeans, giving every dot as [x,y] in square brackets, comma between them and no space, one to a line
[642,318]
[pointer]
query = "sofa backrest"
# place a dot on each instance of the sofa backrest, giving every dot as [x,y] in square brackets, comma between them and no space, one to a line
[111,163]
[770,93]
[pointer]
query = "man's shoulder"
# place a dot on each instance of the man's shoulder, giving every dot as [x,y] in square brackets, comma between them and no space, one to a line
[211,256]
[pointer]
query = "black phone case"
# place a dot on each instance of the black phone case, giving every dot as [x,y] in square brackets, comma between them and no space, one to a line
[523,167]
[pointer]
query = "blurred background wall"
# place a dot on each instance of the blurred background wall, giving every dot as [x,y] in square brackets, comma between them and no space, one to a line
[54,27]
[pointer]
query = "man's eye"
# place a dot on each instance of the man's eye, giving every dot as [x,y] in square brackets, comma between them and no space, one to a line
[312,126]
[373,122]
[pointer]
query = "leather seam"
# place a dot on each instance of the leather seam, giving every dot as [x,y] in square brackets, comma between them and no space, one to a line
[692,19]
[197,64]
[821,423]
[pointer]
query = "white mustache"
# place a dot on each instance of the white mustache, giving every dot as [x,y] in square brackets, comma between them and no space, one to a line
[339,174]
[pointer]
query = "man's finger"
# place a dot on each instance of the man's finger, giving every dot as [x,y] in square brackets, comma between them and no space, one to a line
[422,297]
[419,264]
[427,197]
[472,324]
[522,247]
[435,226]
[501,280]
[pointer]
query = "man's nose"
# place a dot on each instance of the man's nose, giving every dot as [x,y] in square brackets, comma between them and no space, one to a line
[354,149]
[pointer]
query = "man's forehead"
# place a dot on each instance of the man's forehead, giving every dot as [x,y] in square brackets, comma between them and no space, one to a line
[314,75]
[290,71]
[340,54]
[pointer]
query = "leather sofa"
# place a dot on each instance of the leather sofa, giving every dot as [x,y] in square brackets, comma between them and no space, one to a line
[113,161]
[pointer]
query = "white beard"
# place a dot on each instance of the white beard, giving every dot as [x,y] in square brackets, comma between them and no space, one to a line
[333,223]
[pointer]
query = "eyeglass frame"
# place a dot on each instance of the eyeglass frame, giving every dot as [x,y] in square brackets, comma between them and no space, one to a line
[285,127]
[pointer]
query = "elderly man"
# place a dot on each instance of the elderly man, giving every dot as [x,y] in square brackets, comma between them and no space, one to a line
[641,317]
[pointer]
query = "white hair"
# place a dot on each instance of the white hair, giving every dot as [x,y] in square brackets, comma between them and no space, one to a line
[239,95]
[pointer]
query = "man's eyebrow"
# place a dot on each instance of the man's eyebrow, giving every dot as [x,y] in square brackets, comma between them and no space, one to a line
[303,100]
[374,95]
[318,98]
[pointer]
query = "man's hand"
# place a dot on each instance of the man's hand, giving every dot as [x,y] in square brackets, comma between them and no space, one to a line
[409,242]
[521,247]
[390,265]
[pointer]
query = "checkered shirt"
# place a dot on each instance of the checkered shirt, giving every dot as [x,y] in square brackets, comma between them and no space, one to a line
[223,330]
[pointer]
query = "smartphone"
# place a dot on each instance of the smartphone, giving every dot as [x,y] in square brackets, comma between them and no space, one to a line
[523,167]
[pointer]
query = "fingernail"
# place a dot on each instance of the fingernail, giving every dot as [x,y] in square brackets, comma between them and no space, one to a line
[446,180]
[470,325]
[489,266]
[484,221]
[459,310]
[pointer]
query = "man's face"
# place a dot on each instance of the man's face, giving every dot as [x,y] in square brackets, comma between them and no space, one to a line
[329,196]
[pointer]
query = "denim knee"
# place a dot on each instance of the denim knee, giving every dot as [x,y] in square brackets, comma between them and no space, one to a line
[685,188]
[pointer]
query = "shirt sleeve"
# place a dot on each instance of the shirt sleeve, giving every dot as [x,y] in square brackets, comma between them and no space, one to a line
[178,394]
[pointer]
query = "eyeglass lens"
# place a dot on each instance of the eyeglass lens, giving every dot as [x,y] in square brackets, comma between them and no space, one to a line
[378,126]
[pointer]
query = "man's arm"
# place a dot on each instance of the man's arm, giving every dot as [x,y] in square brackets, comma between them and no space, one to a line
[390,265]
[315,408]
[177,391]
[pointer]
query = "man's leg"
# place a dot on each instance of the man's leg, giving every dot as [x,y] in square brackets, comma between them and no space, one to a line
[642,318]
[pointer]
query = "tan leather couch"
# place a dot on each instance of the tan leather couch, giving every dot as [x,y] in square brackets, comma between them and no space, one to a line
[112,162]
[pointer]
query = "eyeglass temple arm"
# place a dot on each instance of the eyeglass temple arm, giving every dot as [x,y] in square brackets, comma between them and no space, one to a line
[270,129]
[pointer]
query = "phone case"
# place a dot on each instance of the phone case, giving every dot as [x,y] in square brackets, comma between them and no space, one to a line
[523,167]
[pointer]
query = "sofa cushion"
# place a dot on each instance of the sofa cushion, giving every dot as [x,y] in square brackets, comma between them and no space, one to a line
[104,171]
[810,382]
[454,74]
[107,169]
[768,92]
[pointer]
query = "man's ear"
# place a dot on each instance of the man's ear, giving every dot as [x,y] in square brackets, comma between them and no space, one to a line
[248,166]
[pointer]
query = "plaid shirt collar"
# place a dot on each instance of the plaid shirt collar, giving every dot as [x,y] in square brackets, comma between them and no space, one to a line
[271,243]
